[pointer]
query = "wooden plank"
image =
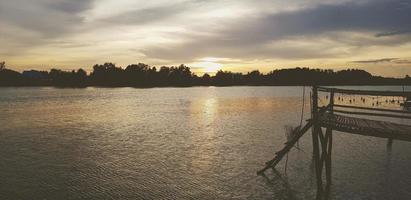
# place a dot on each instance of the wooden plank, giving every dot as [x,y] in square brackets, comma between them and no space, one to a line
[366,127]
[375,109]
[373,114]
[404,137]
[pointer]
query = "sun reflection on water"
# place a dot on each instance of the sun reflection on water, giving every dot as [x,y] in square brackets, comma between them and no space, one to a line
[205,112]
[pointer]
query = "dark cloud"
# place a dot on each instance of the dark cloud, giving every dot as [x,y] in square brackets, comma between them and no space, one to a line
[148,15]
[374,61]
[384,60]
[379,16]
[47,18]
[393,33]
[69,6]
[249,34]
[402,61]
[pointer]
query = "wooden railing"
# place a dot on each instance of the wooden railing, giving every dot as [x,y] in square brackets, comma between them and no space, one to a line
[365,92]
[380,112]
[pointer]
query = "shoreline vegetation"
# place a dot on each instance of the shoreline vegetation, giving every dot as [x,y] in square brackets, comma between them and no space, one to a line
[144,76]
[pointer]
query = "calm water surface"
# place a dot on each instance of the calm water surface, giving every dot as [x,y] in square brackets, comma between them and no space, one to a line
[178,143]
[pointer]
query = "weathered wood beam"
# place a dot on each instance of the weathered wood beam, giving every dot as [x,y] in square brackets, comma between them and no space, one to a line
[376,109]
[289,144]
[316,140]
[370,132]
[318,164]
[328,133]
[373,114]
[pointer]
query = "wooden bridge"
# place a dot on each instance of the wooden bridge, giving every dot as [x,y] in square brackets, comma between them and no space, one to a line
[341,118]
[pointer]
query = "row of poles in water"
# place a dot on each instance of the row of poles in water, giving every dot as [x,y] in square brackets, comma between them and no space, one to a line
[375,101]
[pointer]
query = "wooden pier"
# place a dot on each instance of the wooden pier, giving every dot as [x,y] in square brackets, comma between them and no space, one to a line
[344,118]
[366,127]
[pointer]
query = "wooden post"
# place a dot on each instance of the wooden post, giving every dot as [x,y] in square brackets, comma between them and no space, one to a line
[329,135]
[315,137]
[322,159]
[331,101]
[389,144]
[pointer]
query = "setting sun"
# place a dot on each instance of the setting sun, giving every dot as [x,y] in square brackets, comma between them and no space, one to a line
[210,67]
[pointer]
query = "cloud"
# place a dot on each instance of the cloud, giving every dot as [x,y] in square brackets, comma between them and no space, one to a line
[68,6]
[251,34]
[379,16]
[384,60]
[147,15]
[393,33]
[403,61]
[47,18]
[374,61]
[26,24]
[184,31]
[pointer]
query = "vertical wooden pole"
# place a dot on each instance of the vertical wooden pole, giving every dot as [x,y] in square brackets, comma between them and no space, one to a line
[315,137]
[389,144]
[322,156]
[331,101]
[329,149]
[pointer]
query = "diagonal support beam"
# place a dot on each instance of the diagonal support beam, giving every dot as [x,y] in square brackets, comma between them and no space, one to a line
[288,146]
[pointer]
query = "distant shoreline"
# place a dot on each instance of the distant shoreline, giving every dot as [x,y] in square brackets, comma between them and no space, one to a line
[144,76]
[193,86]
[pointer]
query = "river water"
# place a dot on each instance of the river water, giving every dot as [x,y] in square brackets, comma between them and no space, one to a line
[179,143]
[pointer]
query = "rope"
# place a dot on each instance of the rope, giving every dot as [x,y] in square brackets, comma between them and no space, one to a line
[302,114]
[301,123]
[302,108]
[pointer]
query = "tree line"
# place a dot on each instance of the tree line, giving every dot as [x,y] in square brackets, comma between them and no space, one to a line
[143,75]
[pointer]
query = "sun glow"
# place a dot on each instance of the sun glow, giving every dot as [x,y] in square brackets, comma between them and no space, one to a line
[210,67]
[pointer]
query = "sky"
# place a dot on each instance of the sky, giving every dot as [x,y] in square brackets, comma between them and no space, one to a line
[208,35]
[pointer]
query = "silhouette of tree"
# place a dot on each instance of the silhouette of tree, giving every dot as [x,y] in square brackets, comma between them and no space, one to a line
[107,75]
[2,65]
[180,76]
[254,77]
[227,78]
[81,77]
[205,79]
[143,75]
[139,75]
[9,77]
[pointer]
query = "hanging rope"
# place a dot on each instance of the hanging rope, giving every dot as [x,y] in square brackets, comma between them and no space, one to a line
[403,90]
[302,115]
[290,130]
[302,108]
[287,135]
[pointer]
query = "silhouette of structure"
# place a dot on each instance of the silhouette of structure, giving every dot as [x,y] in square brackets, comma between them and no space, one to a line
[333,117]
